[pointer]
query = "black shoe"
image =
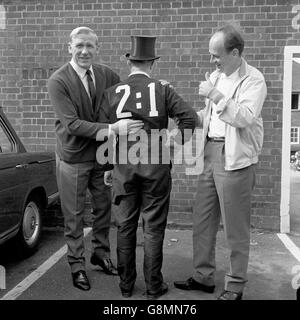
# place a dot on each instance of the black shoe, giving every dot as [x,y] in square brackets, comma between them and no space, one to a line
[229,295]
[126,293]
[151,295]
[105,264]
[191,284]
[80,280]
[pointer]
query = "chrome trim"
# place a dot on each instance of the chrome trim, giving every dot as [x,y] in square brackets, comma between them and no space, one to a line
[53,198]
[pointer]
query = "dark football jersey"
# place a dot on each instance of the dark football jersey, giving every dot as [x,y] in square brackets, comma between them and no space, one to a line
[143,98]
[140,97]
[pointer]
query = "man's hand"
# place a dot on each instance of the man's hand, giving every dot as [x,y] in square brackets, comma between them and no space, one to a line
[165,82]
[205,86]
[127,126]
[108,178]
[206,89]
[177,121]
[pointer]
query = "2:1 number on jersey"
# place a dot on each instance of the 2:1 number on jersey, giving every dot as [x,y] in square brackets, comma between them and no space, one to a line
[126,88]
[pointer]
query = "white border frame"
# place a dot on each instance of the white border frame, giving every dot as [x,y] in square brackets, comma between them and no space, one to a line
[286,132]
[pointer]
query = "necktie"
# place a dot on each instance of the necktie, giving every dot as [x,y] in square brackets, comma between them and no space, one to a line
[92,89]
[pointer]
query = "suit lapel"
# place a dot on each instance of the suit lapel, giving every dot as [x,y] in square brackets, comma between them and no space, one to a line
[78,83]
[100,86]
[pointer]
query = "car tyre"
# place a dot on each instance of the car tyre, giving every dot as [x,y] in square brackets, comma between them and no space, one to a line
[29,234]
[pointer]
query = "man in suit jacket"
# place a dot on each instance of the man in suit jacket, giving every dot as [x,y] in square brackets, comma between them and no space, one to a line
[76,90]
[143,185]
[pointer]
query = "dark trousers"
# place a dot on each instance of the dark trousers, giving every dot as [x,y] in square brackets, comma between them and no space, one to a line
[148,195]
[73,182]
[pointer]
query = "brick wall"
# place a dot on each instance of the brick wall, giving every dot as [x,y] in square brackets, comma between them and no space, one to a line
[34,35]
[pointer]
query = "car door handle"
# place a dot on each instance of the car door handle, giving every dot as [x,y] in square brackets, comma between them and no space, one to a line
[22,166]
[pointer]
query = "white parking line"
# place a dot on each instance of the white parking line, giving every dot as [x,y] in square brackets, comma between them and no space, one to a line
[290,245]
[35,275]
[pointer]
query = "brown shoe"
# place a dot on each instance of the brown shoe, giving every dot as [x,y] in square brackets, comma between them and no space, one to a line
[229,295]
[106,265]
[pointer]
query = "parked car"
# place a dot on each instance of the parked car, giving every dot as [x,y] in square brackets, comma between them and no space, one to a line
[27,187]
[295,160]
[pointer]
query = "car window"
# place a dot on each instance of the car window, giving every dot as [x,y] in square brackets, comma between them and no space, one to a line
[5,144]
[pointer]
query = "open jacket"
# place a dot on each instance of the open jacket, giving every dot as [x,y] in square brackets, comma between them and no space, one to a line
[77,124]
[241,112]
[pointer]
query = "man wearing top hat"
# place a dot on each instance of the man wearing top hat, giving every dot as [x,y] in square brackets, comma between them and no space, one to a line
[143,187]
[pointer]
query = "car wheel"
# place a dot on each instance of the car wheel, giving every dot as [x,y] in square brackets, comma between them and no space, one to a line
[29,234]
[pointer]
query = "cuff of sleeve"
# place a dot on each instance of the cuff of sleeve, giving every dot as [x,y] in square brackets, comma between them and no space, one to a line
[200,119]
[215,95]
[103,133]
[221,106]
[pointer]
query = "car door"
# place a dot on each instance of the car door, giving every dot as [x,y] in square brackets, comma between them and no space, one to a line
[10,182]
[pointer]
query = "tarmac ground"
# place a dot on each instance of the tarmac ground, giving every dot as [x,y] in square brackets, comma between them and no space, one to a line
[271,272]
[38,289]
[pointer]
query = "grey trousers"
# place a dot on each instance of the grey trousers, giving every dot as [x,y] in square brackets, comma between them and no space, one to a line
[73,181]
[227,194]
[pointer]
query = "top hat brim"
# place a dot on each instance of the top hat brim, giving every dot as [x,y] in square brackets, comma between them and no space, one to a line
[140,58]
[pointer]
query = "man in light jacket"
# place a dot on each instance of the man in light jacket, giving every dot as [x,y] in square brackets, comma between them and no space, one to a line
[233,138]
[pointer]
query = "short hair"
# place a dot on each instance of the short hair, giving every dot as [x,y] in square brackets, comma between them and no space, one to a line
[232,38]
[140,63]
[83,30]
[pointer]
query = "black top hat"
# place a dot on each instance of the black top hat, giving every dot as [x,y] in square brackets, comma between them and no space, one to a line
[142,49]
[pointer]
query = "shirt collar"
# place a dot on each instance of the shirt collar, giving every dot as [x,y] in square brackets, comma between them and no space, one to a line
[80,71]
[232,76]
[139,72]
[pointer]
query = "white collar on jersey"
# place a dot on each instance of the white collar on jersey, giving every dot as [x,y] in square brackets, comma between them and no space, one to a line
[139,72]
